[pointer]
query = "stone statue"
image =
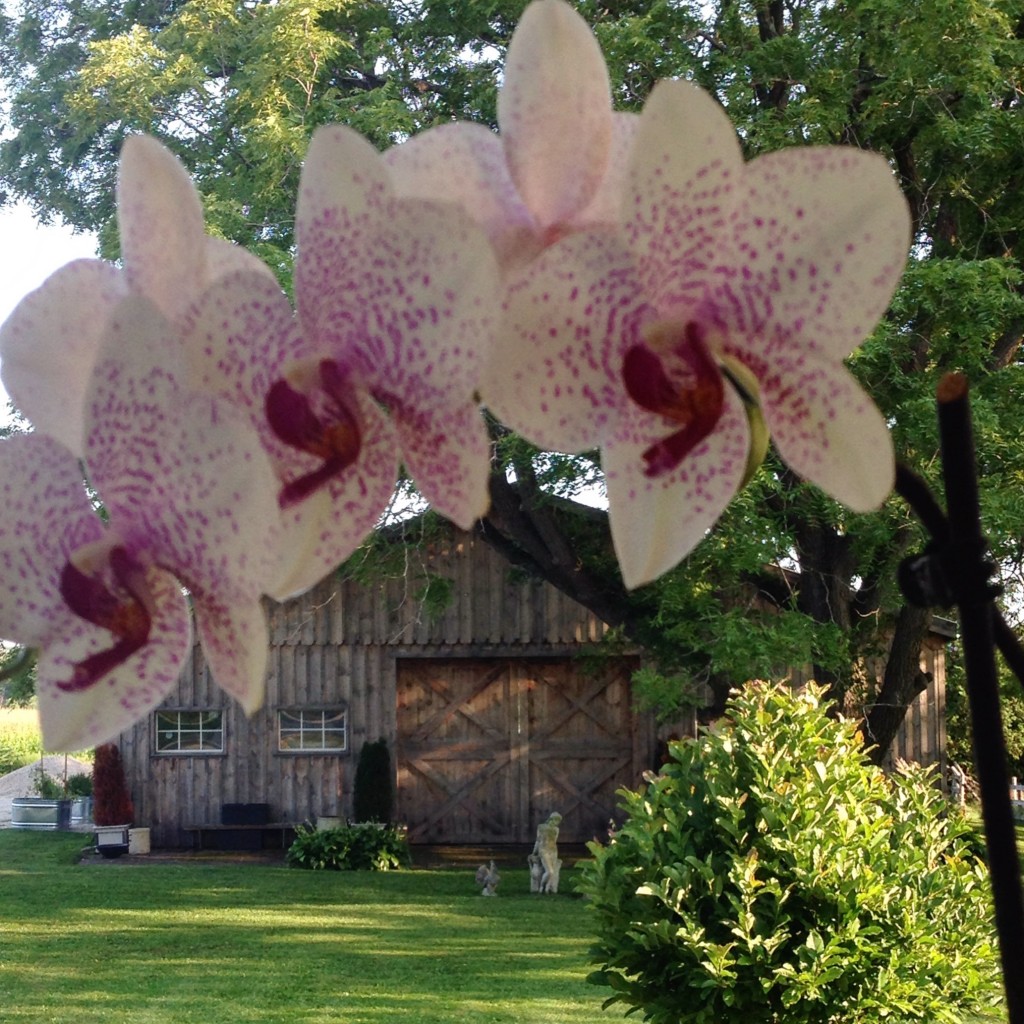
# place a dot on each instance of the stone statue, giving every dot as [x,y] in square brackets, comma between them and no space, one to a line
[488,878]
[545,865]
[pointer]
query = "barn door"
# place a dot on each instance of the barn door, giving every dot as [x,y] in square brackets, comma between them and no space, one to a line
[487,748]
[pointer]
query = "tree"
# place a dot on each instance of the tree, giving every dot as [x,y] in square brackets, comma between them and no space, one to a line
[787,576]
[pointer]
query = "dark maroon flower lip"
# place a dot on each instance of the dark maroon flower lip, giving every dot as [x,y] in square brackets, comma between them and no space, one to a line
[333,437]
[126,612]
[697,407]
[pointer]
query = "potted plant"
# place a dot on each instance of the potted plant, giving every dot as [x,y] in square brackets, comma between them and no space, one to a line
[79,788]
[50,808]
[112,810]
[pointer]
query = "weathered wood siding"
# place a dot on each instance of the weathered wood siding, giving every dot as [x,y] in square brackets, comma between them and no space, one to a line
[340,644]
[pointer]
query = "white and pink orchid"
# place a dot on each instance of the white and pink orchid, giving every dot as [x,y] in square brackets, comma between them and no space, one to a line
[50,342]
[727,287]
[557,165]
[188,497]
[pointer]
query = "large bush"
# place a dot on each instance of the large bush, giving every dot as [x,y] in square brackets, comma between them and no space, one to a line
[771,873]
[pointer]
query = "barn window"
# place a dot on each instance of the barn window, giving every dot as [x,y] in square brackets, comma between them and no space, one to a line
[312,729]
[190,732]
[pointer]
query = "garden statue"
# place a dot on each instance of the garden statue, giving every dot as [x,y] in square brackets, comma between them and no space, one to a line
[487,876]
[545,865]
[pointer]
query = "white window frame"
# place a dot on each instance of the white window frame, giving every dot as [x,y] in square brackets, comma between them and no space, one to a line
[179,723]
[310,728]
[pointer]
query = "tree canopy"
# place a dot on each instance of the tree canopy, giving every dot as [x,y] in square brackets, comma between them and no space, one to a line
[787,577]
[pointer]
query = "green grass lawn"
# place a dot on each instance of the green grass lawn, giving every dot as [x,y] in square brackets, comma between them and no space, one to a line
[134,944]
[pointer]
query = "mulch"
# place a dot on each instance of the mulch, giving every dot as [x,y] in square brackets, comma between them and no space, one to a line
[429,857]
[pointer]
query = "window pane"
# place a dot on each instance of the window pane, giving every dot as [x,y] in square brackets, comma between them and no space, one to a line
[189,732]
[313,729]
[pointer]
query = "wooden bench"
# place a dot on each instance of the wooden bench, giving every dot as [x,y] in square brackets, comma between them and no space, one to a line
[275,835]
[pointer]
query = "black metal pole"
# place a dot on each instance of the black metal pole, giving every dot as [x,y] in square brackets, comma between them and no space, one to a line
[968,562]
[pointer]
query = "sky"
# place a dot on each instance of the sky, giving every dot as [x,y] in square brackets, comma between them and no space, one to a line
[31,253]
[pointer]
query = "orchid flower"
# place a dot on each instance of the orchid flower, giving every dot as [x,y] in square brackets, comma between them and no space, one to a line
[730,291]
[50,342]
[396,302]
[189,502]
[556,166]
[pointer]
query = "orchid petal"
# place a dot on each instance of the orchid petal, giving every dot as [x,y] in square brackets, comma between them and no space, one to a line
[46,517]
[190,477]
[84,718]
[233,632]
[161,225]
[606,206]
[465,164]
[821,244]
[401,293]
[657,521]
[188,485]
[556,372]
[450,460]
[405,303]
[682,186]
[554,111]
[239,337]
[344,181]
[224,259]
[48,346]
[320,532]
[828,429]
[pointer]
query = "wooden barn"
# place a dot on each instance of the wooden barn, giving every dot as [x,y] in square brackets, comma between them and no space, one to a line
[493,715]
[497,711]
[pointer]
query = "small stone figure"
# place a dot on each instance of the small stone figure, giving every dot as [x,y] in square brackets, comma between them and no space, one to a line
[545,866]
[488,878]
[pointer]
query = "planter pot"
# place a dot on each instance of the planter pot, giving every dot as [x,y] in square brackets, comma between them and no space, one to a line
[112,840]
[138,840]
[324,822]
[40,812]
[81,811]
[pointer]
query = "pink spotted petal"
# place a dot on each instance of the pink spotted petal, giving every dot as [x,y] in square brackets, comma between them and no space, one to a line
[682,188]
[239,338]
[84,718]
[182,475]
[820,245]
[606,208]
[48,346]
[449,458]
[657,521]
[465,164]
[323,530]
[46,516]
[827,429]
[556,373]
[344,186]
[161,224]
[554,111]
[402,294]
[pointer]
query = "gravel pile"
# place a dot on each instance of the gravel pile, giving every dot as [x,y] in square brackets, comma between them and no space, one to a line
[21,781]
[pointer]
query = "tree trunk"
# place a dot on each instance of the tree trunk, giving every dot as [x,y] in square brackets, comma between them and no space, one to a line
[902,682]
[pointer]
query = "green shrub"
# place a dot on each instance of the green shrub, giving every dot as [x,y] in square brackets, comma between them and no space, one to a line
[45,785]
[358,847]
[373,796]
[79,784]
[771,873]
